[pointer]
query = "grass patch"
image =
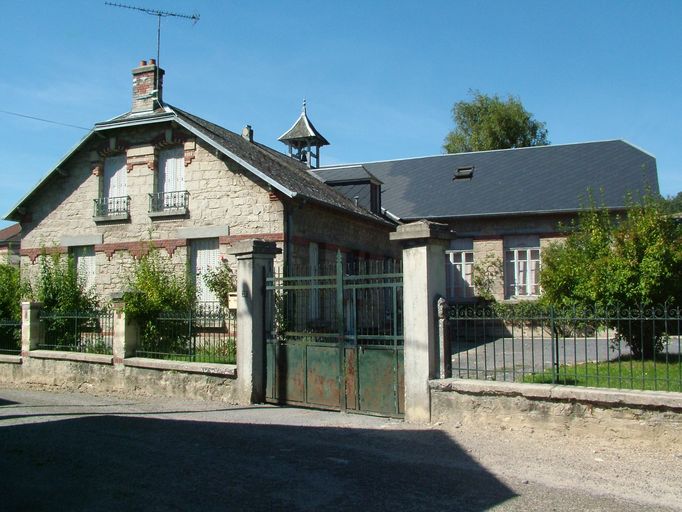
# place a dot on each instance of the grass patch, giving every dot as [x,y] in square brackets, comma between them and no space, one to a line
[653,375]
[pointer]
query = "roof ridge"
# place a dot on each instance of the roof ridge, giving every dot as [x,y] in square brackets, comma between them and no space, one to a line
[443,155]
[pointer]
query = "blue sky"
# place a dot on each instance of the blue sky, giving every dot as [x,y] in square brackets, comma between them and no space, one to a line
[380,77]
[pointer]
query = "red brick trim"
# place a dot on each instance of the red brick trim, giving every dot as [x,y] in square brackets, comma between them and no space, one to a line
[139,249]
[35,252]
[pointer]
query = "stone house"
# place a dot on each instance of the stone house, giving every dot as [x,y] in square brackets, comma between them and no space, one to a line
[160,176]
[504,206]
[10,240]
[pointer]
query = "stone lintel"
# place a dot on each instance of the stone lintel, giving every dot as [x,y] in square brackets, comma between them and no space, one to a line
[247,248]
[203,232]
[422,230]
[74,240]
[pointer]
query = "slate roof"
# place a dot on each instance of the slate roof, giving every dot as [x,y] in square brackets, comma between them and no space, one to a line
[288,175]
[541,179]
[351,173]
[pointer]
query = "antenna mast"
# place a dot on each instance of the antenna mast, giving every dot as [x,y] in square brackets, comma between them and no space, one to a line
[159,14]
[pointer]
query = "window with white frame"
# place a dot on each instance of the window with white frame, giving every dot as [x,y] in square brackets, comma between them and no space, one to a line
[459,274]
[459,269]
[522,271]
[84,260]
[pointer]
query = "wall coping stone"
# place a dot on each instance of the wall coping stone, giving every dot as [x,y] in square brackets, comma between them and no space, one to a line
[7,358]
[599,396]
[72,356]
[422,229]
[220,370]
[254,246]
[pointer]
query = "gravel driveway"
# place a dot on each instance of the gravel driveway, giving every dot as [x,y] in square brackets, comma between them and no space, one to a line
[78,452]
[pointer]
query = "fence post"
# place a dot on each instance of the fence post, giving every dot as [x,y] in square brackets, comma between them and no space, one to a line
[424,245]
[445,367]
[125,331]
[30,326]
[254,264]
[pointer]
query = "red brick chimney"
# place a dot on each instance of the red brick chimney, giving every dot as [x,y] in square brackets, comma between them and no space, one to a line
[146,97]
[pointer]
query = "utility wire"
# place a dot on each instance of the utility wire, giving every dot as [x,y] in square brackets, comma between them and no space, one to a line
[44,120]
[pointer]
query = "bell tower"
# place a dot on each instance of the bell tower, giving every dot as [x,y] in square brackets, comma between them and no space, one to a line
[304,141]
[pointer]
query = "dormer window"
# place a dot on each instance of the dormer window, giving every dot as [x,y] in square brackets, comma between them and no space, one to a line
[464,173]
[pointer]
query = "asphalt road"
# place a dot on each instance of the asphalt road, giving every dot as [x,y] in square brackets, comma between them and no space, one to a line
[77,452]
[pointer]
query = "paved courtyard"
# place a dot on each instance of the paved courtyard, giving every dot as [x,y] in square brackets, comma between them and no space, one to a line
[78,452]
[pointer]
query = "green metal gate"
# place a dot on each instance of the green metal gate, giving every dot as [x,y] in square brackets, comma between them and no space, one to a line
[334,339]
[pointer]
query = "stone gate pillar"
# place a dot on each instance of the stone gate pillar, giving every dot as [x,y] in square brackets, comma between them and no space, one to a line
[31,332]
[424,246]
[254,264]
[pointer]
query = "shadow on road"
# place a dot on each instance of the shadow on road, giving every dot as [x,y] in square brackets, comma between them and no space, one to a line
[107,462]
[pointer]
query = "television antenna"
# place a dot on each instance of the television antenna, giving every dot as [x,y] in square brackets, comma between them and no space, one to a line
[159,14]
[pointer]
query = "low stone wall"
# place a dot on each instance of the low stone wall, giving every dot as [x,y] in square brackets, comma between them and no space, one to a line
[137,376]
[655,416]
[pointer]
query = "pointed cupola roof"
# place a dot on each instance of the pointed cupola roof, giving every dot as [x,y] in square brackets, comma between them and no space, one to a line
[303,133]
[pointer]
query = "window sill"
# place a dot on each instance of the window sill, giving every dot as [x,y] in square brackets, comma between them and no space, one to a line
[169,212]
[117,217]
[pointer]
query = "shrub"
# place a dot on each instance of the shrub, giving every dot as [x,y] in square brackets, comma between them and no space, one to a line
[59,288]
[631,264]
[156,289]
[222,282]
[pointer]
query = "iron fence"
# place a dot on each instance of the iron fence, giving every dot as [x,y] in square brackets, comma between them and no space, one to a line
[614,347]
[205,334]
[10,337]
[91,332]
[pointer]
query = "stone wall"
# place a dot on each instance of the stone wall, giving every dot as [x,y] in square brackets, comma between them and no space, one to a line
[656,416]
[120,379]
[334,232]
[221,196]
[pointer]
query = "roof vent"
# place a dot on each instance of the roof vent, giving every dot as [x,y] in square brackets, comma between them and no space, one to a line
[464,173]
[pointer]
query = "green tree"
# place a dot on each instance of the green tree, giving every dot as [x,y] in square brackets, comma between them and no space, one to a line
[488,122]
[10,293]
[631,262]
[673,204]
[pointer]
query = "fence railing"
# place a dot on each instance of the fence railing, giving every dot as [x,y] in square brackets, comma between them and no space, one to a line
[111,206]
[614,347]
[10,337]
[91,332]
[206,334]
[165,201]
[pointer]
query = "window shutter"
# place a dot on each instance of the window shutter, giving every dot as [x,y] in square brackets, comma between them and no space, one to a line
[115,176]
[204,256]
[172,170]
